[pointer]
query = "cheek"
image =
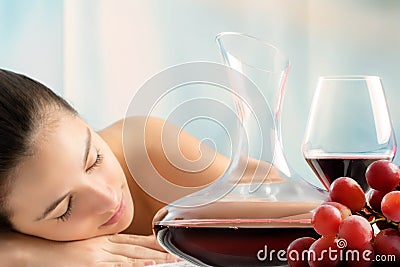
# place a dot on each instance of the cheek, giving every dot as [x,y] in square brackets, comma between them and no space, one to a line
[112,170]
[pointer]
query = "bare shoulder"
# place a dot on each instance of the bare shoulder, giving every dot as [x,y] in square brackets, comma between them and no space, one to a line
[134,126]
[160,141]
[125,135]
[135,121]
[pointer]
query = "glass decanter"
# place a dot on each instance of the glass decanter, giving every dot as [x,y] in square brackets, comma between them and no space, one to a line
[252,212]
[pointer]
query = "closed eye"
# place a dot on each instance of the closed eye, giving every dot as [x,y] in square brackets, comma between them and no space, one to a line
[96,163]
[67,213]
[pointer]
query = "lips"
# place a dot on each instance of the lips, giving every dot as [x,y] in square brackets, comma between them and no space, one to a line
[117,215]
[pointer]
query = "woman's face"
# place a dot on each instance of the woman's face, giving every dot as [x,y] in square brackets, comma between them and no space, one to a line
[72,188]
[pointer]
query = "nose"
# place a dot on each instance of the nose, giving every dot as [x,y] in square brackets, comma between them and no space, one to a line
[104,197]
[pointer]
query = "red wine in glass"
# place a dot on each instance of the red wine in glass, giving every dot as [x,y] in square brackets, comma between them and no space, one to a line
[329,168]
[348,128]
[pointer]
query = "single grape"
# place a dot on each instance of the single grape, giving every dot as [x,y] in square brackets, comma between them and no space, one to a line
[375,199]
[345,211]
[361,257]
[383,175]
[348,192]
[297,251]
[326,220]
[390,206]
[356,230]
[387,242]
[324,252]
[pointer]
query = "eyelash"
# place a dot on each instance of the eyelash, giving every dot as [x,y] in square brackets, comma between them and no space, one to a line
[67,213]
[97,162]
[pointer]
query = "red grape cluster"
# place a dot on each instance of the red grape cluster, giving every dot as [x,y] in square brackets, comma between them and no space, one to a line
[355,230]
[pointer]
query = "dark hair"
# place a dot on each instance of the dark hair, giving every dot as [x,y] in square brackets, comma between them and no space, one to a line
[25,106]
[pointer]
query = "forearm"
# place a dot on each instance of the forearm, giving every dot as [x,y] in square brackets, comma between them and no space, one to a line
[122,250]
[11,249]
[23,250]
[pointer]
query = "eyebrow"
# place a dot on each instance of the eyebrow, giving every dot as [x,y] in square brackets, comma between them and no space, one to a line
[59,200]
[87,146]
[51,207]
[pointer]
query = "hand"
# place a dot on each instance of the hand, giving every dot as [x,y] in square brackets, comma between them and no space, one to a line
[104,251]
[118,250]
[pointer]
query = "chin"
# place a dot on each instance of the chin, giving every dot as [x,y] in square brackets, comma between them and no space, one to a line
[125,221]
[129,212]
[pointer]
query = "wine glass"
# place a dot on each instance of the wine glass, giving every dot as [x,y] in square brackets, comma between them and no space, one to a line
[348,128]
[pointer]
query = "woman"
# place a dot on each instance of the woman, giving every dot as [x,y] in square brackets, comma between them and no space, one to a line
[61,181]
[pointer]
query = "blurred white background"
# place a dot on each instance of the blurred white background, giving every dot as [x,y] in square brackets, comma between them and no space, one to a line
[97,53]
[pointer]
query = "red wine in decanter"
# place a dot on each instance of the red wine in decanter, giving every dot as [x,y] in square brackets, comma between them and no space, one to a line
[238,233]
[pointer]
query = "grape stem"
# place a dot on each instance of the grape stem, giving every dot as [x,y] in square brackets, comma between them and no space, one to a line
[373,212]
[378,217]
[381,219]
